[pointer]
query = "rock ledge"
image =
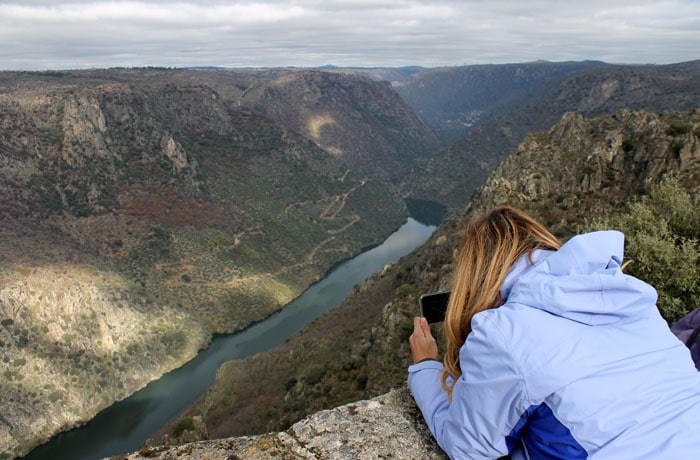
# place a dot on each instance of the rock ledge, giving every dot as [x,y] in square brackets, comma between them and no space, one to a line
[388,426]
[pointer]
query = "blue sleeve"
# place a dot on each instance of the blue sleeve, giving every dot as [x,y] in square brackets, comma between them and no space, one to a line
[424,382]
[487,400]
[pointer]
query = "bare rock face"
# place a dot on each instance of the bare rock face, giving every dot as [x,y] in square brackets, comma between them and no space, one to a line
[388,426]
[595,164]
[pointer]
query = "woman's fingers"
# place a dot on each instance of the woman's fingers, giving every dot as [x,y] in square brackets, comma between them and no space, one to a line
[422,342]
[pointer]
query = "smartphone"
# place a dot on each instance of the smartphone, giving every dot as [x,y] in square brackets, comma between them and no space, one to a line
[434,305]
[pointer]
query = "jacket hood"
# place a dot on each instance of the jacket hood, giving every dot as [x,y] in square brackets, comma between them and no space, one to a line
[581,281]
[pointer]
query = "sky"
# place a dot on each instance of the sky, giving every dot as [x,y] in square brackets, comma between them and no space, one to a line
[77,34]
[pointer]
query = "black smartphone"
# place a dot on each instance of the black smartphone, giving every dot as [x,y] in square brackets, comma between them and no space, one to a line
[434,305]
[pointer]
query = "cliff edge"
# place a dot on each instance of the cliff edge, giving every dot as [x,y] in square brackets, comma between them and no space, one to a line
[388,426]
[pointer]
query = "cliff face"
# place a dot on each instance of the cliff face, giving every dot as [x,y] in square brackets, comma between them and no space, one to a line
[579,169]
[141,212]
[600,164]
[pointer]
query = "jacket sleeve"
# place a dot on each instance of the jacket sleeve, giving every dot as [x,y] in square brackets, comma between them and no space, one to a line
[487,402]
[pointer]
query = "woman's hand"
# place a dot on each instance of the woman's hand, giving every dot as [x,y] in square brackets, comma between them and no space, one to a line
[422,342]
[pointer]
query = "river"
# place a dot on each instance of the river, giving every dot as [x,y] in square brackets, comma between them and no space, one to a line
[124,426]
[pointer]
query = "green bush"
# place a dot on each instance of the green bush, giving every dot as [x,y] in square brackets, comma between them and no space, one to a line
[52,135]
[662,239]
[182,425]
[315,374]
[361,381]
[405,290]
[678,127]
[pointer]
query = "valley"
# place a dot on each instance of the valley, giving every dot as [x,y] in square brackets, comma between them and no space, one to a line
[141,216]
[579,172]
[145,210]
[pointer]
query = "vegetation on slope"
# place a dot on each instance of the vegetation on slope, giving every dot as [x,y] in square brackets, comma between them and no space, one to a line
[663,244]
[142,213]
[363,123]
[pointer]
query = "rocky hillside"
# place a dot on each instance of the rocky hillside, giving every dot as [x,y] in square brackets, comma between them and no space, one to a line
[141,213]
[452,176]
[363,123]
[578,170]
[452,99]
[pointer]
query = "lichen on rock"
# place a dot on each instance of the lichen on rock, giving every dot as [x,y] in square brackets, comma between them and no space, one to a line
[388,426]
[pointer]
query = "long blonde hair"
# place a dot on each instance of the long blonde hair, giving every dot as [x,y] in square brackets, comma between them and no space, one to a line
[490,246]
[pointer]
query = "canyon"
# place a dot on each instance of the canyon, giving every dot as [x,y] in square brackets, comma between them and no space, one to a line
[144,210]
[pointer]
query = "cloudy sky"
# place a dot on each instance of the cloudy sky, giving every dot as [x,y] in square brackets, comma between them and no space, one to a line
[58,34]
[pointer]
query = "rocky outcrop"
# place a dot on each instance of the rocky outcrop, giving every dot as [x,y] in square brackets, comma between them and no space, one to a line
[452,176]
[388,426]
[599,162]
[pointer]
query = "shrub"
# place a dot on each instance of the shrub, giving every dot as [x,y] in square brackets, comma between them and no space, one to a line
[315,374]
[405,290]
[677,128]
[182,425]
[291,383]
[52,135]
[361,381]
[627,144]
[662,239]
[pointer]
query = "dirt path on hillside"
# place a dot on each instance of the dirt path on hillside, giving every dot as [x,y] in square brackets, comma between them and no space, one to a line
[186,269]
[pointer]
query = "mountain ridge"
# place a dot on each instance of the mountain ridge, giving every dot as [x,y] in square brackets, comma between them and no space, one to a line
[451,176]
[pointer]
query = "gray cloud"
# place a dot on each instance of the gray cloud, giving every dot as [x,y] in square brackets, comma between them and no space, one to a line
[43,34]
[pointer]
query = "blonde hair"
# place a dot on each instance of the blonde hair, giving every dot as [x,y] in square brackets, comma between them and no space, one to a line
[490,246]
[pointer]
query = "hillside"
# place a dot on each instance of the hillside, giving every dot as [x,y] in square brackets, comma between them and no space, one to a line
[363,123]
[141,213]
[452,99]
[452,176]
[578,170]
[397,76]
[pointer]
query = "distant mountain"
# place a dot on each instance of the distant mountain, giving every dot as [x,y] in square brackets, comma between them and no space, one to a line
[363,123]
[141,213]
[452,176]
[579,169]
[397,76]
[453,99]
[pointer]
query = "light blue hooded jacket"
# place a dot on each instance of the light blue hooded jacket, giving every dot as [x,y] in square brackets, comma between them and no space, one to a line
[577,363]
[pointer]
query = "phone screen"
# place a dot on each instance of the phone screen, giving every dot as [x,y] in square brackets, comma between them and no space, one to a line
[434,305]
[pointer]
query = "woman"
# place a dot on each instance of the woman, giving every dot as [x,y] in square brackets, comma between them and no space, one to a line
[553,353]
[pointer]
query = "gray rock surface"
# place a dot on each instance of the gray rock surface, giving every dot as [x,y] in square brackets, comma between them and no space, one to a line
[388,426]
